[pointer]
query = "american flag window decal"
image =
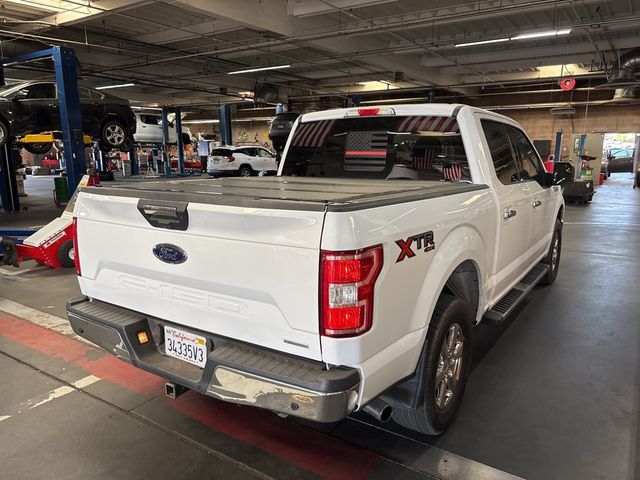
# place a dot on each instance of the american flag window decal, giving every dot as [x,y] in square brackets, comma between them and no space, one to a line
[366,150]
[428,124]
[313,134]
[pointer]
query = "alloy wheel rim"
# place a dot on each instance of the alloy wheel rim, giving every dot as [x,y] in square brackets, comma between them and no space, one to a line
[114,134]
[555,252]
[449,371]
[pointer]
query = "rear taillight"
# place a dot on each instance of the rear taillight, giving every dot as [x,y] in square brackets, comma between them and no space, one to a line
[347,281]
[76,253]
[231,158]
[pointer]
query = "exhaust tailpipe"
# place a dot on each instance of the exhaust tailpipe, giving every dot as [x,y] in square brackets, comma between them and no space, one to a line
[173,390]
[379,409]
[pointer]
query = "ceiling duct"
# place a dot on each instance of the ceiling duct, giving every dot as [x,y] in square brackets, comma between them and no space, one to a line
[267,93]
[627,73]
[626,95]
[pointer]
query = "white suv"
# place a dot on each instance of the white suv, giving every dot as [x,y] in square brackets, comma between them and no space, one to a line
[242,161]
[149,129]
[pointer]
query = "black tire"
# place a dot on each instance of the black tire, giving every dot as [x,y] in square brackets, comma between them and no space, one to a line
[38,148]
[66,254]
[4,134]
[245,171]
[113,133]
[126,145]
[429,417]
[103,146]
[553,260]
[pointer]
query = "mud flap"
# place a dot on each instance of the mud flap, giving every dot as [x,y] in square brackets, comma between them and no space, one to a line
[10,256]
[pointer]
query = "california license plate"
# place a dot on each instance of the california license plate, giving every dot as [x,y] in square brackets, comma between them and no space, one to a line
[185,346]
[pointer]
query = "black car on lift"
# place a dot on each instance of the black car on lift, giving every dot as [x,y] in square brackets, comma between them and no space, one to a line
[32,107]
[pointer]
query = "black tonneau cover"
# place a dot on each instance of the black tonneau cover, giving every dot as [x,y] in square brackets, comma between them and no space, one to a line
[291,193]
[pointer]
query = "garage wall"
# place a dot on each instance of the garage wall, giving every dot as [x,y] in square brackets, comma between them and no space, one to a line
[243,132]
[541,125]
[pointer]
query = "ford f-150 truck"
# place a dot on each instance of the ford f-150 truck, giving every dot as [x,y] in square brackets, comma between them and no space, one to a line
[350,281]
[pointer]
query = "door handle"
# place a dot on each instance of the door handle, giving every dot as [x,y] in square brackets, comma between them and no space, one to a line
[536,203]
[509,214]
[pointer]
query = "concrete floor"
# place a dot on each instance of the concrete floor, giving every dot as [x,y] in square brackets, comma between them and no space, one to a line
[553,395]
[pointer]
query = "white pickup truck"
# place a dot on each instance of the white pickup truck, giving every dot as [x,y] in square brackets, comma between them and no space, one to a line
[350,281]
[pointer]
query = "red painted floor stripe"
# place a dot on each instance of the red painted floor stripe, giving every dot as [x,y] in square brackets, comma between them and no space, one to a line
[325,456]
[91,359]
[314,451]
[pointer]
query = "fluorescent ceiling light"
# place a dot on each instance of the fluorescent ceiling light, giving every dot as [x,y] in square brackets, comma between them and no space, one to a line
[546,33]
[523,36]
[196,122]
[482,42]
[259,69]
[377,85]
[120,85]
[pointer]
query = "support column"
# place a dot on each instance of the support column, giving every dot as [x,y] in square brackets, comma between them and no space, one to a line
[8,184]
[165,142]
[226,137]
[558,151]
[179,142]
[64,61]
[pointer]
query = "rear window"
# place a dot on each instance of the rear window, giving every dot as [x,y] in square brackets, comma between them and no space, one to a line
[413,147]
[221,152]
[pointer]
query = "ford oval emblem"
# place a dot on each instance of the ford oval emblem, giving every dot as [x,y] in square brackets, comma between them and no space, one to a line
[169,253]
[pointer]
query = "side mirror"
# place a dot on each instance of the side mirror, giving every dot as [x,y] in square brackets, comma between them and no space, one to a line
[19,95]
[563,173]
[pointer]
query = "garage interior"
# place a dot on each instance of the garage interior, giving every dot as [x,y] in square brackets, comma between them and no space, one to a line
[554,392]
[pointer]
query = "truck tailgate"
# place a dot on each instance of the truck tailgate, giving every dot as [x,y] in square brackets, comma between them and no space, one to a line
[250,273]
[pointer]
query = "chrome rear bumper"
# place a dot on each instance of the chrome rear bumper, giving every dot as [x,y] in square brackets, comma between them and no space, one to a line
[234,372]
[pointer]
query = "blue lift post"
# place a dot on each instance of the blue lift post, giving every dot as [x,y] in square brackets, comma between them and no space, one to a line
[226,138]
[133,159]
[64,62]
[165,142]
[179,141]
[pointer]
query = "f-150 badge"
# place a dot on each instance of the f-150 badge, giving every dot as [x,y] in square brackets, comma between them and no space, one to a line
[169,253]
[423,241]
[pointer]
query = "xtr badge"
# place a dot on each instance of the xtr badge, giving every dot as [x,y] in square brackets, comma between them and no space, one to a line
[423,241]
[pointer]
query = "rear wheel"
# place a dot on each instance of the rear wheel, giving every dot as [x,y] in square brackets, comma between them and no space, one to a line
[553,257]
[66,254]
[245,171]
[113,133]
[38,148]
[4,134]
[448,350]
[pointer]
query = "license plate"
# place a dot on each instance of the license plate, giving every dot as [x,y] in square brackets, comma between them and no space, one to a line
[185,346]
[216,160]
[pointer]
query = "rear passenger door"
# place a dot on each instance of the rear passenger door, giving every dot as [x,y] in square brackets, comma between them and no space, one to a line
[531,172]
[251,158]
[514,199]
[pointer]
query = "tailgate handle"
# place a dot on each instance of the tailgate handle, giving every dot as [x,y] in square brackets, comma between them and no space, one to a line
[161,214]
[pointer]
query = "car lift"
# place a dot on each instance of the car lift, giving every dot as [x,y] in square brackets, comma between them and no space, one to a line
[64,62]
